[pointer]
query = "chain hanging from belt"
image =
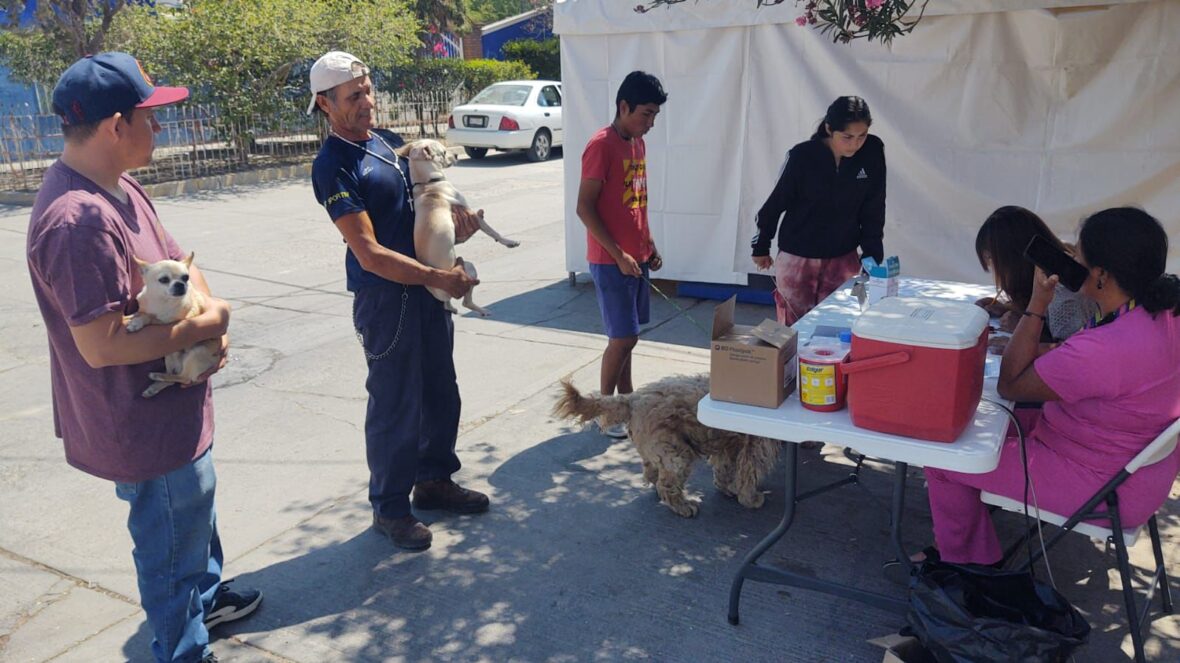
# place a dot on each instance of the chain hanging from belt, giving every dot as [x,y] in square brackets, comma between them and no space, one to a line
[401,320]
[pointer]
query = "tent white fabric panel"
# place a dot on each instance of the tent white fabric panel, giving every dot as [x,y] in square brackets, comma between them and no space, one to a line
[619,16]
[1062,112]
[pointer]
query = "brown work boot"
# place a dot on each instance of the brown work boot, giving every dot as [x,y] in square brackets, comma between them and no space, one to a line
[407,532]
[447,495]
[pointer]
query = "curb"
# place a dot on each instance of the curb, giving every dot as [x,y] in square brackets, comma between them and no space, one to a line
[227,180]
[196,184]
[193,185]
[17,198]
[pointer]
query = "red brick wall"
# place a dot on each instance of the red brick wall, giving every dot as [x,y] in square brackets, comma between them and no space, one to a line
[472,46]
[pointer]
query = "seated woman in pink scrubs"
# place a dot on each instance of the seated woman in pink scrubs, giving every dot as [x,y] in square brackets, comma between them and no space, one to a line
[1108,391]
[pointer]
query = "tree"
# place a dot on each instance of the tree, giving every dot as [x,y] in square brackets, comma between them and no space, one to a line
[65,30]
[482,12]
[543,57]
[843,20]
[438,17]
[251,58]
[442,15]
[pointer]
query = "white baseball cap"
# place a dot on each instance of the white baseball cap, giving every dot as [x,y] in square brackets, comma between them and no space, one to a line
[332,69]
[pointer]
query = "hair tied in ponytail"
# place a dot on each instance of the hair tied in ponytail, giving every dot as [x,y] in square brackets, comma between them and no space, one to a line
[1163,295]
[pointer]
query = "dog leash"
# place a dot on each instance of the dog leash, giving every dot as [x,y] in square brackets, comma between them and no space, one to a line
[676,306]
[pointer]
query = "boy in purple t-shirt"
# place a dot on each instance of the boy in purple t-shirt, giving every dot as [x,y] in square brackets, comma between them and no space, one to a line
[89,221]
[612,203]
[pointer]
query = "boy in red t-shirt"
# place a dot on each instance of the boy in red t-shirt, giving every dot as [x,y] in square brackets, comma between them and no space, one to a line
[612,203]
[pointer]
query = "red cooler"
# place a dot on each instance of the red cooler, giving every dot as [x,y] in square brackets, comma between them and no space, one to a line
[916,367]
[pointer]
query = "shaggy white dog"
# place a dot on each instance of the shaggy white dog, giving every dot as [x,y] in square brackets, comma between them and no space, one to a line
[663,424]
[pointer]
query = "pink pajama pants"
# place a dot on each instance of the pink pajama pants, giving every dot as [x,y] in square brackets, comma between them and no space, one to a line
[963,530]
[801,283]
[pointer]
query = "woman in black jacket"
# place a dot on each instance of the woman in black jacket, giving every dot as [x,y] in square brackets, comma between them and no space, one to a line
[831,199]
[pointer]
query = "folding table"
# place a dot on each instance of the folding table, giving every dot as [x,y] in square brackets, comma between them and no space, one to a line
[976,451]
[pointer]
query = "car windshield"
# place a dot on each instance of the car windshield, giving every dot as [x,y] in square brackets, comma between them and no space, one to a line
[503,95]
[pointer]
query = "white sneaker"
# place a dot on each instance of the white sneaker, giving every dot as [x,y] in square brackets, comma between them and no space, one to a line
[618,431]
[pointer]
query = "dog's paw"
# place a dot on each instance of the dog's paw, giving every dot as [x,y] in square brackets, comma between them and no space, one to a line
[136,323]
[754,501]
[687,508]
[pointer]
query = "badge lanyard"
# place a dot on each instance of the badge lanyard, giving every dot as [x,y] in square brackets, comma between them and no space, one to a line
[1110,317]
[409,194]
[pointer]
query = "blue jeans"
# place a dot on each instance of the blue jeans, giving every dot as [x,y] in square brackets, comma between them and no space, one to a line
[413,414]
[177,555]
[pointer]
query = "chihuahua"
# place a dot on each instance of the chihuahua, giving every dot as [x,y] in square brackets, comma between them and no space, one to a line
[434,229]
[168,297]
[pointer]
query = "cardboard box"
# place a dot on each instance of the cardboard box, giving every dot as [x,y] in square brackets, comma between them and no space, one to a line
[902,649]
[751,365]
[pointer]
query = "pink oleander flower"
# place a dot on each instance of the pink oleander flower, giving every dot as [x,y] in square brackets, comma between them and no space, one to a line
[801,21]
[873,4]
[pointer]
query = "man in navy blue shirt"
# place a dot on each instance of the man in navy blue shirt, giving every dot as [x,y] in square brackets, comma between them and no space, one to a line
[408,337]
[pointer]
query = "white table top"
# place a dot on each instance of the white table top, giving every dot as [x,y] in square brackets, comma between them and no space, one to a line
[976,451]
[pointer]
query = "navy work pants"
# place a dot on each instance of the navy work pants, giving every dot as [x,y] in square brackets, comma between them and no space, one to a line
[413,414]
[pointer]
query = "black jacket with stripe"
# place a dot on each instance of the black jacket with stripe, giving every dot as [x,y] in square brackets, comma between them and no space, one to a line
[826,210]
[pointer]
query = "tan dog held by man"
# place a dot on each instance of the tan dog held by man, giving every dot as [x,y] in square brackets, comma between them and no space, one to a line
[663,423]
[168,297]
[434,229]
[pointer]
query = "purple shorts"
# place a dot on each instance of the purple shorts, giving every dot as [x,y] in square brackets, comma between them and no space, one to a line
[624,301]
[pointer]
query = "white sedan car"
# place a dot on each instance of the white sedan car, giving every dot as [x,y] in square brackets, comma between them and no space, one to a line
[512,115]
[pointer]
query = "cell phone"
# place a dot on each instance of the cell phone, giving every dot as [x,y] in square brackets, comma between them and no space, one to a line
[1052,260]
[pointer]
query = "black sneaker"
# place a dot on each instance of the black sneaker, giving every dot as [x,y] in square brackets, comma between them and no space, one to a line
[230,606]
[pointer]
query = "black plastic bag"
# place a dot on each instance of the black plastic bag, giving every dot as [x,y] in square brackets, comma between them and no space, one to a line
[964,613]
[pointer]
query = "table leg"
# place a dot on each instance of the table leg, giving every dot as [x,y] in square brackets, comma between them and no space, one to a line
[899,476]
[750,562]
[751,570]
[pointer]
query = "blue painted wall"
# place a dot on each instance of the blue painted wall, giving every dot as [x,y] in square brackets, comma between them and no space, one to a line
[17,97]
[493,42]
[21,98]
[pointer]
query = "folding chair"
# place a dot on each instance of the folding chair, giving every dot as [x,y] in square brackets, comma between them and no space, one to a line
[1082,521]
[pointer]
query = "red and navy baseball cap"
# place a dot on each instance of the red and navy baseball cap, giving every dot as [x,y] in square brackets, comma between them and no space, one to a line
[98,86]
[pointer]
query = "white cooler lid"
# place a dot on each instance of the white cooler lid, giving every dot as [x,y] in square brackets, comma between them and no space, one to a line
[922,321]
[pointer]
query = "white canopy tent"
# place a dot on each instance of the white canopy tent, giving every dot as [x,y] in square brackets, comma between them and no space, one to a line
[1062,108]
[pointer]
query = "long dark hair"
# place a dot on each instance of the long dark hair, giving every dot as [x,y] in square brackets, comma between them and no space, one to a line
[1132,246]
[843,112]
[1002,238]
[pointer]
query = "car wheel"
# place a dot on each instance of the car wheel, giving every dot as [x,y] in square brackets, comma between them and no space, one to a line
[476,152]
[541,147]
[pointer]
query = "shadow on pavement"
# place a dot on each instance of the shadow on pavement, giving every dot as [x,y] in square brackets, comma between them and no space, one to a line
[578,560]
[683,321]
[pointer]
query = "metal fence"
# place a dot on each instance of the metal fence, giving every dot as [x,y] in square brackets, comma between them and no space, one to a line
[196,140]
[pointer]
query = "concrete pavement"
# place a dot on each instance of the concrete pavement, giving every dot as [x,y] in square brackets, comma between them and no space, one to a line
[576,561]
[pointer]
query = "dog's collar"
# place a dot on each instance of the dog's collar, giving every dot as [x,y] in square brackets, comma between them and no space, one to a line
[439,177]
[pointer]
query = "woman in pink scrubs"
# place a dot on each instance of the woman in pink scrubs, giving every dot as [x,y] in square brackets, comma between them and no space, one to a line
[1108,391]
